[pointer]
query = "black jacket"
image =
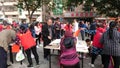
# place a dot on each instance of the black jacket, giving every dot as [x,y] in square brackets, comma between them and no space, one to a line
[45,34]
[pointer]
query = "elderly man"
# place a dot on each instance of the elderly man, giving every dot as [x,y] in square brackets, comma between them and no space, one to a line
[47,33]
[6,37]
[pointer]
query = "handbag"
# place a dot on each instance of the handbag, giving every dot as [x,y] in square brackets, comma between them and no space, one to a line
[20,56]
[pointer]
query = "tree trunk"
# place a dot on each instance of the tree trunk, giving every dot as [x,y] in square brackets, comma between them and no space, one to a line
[29,16]
[30,19]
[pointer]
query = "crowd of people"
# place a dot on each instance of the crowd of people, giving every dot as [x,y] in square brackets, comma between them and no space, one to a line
[105,39]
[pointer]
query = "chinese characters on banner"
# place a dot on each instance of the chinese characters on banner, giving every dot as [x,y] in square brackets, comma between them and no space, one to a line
[79,14]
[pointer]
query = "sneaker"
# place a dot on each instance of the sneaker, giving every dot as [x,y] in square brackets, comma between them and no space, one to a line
[92,65]
[30,65]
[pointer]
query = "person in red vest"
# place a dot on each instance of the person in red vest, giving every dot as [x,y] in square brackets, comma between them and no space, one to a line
[29,44]
[9,27]
[97,47]
[68,27]
[14,24]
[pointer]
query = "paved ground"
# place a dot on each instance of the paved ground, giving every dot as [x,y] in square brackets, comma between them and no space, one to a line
[55,63]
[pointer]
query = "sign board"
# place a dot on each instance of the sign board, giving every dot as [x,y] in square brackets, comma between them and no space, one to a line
[79,14]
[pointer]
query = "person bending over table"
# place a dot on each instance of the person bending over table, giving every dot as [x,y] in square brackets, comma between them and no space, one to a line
[6,37]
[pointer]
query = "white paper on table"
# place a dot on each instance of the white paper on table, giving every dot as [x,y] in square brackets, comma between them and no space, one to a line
[81,46]
[57,41]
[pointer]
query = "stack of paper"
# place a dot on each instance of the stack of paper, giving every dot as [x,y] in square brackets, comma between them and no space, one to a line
[55,42]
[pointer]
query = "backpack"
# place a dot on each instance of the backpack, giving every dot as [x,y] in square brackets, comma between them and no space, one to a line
[68,42]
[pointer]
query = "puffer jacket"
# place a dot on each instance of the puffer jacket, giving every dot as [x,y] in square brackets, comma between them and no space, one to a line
[97,36]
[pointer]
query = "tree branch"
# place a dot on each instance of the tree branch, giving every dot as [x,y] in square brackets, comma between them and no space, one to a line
[26,4]
[35,8]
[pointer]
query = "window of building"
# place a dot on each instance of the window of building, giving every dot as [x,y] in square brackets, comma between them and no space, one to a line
[14,16]
[10,0]
[10,8]
[0,8]
[6,16]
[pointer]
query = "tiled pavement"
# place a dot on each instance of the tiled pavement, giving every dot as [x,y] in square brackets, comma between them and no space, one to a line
[54,64]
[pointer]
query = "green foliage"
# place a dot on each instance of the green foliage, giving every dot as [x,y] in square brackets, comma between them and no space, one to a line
[107,7]
[46,2]
[33,5]
[74,2]
[30,5]
[58,9]
[88,5]
[67,4]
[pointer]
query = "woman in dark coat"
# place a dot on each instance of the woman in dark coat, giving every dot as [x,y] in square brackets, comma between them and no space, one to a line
[111,45]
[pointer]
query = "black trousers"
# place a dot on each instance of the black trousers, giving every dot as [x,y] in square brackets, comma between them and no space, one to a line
[82,34]
[3,58]
[75,66]
[46,51]
[62,32]
[92,37]
[93,58]
[106,60]
[34,51]
[57,34]
[10,53]
[38,38]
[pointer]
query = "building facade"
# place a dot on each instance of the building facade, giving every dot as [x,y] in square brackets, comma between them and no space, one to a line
[11,12]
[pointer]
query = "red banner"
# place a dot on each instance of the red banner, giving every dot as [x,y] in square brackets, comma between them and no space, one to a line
[79,14]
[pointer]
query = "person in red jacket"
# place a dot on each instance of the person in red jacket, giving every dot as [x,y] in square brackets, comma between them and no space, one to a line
[1,27]
[28,43]
[97,46]
[68,27]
